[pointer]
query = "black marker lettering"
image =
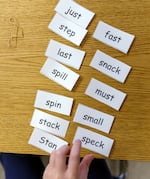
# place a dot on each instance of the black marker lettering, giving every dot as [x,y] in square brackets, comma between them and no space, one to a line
[112,37]
[73,13]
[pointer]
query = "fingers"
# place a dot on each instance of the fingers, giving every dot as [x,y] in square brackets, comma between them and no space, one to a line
[74,159]
[85,164]
[58,158]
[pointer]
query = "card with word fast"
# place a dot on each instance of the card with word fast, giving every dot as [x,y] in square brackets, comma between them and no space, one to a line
[65,54]
[74,12]
[94,141]
[59,74]
[49,123]
[110,66]
[105,94]
[113,37]
[45,141]
[93,118]
[67,29]
[53,102]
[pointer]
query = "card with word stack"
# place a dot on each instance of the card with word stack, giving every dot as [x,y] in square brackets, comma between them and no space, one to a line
[70,22]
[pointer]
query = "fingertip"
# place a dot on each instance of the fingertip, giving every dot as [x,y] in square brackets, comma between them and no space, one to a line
[77,141]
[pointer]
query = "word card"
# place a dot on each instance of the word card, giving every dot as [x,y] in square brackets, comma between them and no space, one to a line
[74,12]
[53,102]
[105,94]
[93,118]
[45,141]
[110,66]
[94,142]
[113,37]
[67,29]
[49,123]
[65,54]
[59,73]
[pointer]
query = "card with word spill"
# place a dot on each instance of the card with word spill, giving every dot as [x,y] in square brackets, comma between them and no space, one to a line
[59,73]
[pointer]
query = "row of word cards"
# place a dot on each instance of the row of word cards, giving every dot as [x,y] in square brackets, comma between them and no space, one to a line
[71,21]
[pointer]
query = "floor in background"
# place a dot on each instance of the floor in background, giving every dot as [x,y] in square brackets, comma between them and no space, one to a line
[135,170]
[1,172]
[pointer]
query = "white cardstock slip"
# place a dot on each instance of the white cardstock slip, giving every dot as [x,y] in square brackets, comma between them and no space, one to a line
[113,37]
[45,141]
[65,54]
[110,66]
[93,118]
[105,94]
[59,73]
[53,102]
[94,141]
[49,123]
[74,12]
[67,29]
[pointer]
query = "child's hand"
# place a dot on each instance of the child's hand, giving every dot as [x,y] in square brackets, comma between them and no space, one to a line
[57,168]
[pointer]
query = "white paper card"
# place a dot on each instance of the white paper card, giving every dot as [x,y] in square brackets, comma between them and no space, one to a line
[59,73]
[53,102]
[65,54]
[113,37]
[74,12]
[67,29]
[49,123]
[93,118]
[45,141]
[110,66]
[94,142]
[105,94]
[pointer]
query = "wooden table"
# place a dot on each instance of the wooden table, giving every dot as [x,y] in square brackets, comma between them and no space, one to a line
[24,37]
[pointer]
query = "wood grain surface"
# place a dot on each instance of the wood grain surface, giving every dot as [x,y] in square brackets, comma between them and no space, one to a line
[24,37]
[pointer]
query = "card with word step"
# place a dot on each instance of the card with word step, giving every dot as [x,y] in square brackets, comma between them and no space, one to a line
[49,123]
[59,74]
[45,141]
[93,118]
[74,12]
[94,141]
[53,102]
[65,54]
[67,29]
[113,37]
[105,94]
[110,66]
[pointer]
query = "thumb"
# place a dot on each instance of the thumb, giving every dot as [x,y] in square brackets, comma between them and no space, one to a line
[84,166]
